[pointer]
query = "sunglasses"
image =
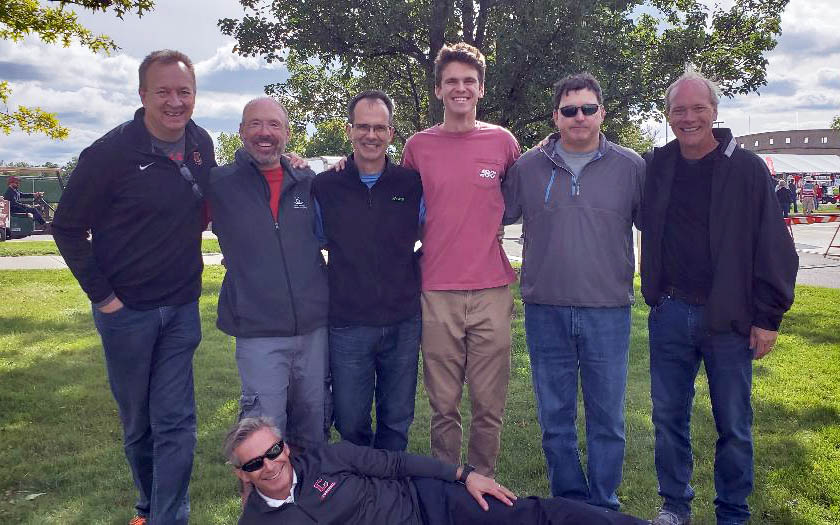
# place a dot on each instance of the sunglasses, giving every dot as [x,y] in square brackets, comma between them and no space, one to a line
[257,463]
[188,176]
[587,109]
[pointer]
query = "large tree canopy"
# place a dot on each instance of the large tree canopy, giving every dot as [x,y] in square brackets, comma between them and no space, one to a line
[634,47]
[20,18]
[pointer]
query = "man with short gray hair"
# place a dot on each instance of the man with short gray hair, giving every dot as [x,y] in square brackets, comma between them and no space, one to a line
[352,485]
[274,295]
[718,271]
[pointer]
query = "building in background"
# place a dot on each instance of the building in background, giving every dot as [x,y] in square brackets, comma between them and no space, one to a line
[796,142]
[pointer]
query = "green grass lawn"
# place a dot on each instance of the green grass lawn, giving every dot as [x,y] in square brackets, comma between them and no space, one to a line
[60,434]
[18,249]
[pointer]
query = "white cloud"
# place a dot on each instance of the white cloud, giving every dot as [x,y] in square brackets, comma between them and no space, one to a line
[92,93]
[224,59]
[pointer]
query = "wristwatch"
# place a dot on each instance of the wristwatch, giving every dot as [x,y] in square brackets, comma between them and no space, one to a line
[465,471]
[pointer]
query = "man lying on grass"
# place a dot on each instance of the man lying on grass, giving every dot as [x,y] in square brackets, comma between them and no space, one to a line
[347,484]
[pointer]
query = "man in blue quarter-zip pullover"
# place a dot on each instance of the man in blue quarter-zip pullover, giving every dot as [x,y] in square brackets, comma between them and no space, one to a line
[578,195]
[274,294]
[369,218]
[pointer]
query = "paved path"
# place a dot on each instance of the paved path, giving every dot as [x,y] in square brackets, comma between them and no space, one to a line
[810,240]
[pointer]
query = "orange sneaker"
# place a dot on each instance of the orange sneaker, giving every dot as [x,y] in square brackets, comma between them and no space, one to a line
[138,520]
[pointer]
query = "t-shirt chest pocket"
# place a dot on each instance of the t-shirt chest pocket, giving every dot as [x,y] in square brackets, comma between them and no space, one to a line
[486,173]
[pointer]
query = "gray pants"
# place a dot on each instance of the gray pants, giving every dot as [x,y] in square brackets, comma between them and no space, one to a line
[287,379]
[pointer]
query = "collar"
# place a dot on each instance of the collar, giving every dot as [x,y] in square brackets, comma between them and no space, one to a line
[352,169]
[275,503]
[142,139]
[726,144]
[550,147]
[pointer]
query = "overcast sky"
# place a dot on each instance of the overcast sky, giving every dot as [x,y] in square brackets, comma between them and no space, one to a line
[93,93]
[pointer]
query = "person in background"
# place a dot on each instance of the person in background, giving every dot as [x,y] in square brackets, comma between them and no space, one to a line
[783,194]
[14,195]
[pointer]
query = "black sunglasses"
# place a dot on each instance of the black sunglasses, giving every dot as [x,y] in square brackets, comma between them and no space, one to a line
[188,176]
[257,463]
[587,109]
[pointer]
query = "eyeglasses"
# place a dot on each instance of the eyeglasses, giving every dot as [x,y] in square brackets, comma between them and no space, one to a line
[257,463]
[188,176]
[364,129]
[586,109]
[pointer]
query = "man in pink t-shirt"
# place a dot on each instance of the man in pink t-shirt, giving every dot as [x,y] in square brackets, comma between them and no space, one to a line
[465,273]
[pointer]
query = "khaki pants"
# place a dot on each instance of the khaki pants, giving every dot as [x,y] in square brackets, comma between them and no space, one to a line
[808,204]
[466,337]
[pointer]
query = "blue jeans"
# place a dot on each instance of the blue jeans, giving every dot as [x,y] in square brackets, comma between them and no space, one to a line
[678,342]
[563,340]
[149,355]
[375,359]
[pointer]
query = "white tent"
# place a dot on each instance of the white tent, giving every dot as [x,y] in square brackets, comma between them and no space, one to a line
[786,163]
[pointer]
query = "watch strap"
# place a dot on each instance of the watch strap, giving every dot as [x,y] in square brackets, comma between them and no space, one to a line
[465,471]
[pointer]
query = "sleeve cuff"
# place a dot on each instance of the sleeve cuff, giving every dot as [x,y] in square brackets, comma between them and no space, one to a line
[767,322]
[105,301]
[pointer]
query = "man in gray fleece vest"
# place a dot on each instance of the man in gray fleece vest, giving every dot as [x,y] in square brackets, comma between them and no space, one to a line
[578,196]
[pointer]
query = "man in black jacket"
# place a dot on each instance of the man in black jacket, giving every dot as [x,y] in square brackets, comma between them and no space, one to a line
[134,190]
[347,484]
[369,215]
[274,295]
[13,195]
[718,270]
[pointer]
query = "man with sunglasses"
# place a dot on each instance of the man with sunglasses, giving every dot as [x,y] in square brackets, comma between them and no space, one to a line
[579,196]
[349,484]
[134,191]
[274,295]
[369,216]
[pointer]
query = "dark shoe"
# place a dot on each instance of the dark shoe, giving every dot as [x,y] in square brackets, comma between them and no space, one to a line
[667,517]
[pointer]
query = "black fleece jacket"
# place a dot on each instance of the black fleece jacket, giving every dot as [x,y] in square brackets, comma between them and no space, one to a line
[347,484]
[754,262]
[373,272]
[276,280]
[144,218]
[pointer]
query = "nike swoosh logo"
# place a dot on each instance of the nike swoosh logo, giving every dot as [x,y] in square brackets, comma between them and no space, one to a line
[146,166]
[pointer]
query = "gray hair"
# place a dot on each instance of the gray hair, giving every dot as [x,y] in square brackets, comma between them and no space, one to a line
[692,74]
[165,57]
[241,431]
[276,102]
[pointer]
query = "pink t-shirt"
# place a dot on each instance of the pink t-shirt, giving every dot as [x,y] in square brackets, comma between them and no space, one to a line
[461,174]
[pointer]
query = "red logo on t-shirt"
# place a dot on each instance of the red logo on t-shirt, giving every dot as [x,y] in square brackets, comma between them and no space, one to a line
[324,487]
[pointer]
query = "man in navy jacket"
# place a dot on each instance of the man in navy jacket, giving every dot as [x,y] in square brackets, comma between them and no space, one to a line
[134,190]
[718,271]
